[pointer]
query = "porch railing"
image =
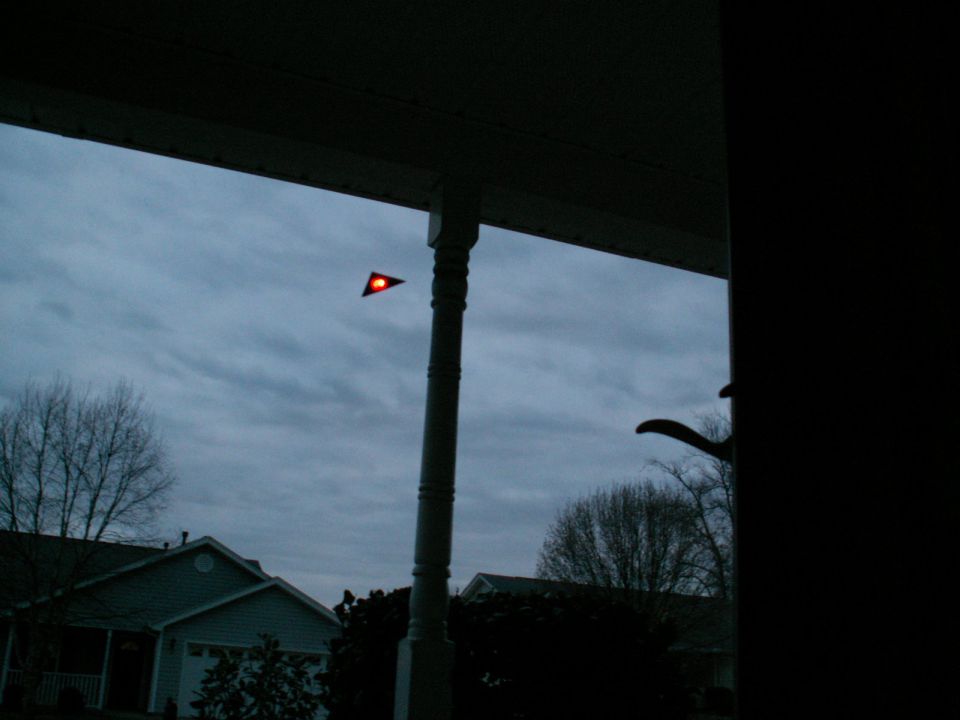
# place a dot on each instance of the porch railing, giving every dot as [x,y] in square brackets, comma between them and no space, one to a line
[52,683]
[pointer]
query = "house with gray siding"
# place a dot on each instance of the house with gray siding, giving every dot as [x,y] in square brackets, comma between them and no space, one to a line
[149,623]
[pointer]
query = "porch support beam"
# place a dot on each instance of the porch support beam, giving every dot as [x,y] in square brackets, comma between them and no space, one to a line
[7,654]
[155,672]
[103,672]
[425,657]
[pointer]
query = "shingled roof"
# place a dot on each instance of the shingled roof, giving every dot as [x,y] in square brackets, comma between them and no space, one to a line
[705,624]
[31,563]
[35,566]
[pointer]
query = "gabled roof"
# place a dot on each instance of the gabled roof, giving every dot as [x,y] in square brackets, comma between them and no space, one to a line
[275,582]
[114,559]
[55,558]
[483,583]
[251,566]
[705,624]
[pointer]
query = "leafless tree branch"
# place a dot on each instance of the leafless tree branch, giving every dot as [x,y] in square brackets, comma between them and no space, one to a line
[76,467]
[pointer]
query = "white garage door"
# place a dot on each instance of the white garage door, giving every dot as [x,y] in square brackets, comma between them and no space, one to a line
[199,658]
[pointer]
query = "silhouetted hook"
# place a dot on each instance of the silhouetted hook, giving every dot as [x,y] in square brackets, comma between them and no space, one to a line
[722,450]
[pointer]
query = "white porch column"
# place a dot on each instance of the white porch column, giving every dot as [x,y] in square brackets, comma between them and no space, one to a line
[425,658]
[103,671]
[155,673]
[7,654]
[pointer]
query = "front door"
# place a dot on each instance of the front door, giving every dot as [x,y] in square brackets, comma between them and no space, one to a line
[130,665]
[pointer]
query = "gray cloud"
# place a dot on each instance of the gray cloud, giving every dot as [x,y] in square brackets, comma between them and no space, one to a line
[59,310]
[291,406]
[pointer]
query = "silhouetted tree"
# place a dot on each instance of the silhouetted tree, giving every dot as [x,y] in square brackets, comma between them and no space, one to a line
[709,484]
[221,691]
[73,466]
[532,657]
[360,676]
[650,538]
[637,541]
[544,657]
[267,685]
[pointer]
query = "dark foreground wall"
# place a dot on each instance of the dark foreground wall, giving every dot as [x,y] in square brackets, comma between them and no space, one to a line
[843,257]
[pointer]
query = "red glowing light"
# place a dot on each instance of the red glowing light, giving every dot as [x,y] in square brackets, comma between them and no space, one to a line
[378,282]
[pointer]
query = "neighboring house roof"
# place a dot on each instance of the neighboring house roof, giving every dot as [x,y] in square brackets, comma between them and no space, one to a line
[276,582]
[103,561]
[200,592]
[55,556]
[483,583]
[251,566]
[706,623]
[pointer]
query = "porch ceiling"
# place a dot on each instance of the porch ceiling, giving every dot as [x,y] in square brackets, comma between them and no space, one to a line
[597,124]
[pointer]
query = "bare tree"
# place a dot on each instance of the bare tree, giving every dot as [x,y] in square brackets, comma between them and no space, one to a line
[78,469]
[652,538]
[640,540]
[708,482]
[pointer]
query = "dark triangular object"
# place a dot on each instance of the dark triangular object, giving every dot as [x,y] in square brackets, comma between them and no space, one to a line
[378,282]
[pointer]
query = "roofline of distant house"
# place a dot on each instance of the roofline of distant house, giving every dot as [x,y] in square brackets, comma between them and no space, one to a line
[160,556]
[564,585]
[484,577]
[479,580]
[476,581]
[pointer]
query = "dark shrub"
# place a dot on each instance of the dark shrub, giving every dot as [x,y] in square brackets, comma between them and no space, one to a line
[719,700]
[171,711]
[70,701]
[532,657]
[268,685]
[12,698]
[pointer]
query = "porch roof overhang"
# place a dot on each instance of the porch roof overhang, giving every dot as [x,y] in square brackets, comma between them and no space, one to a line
[596,124]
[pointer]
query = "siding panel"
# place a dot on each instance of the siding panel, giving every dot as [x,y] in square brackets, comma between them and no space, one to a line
[238,624]
[159,591]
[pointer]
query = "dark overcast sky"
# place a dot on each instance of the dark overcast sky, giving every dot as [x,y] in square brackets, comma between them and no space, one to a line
[292,408]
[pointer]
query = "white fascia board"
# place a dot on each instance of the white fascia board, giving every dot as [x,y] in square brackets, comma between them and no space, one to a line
[307,600]
[475,587]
